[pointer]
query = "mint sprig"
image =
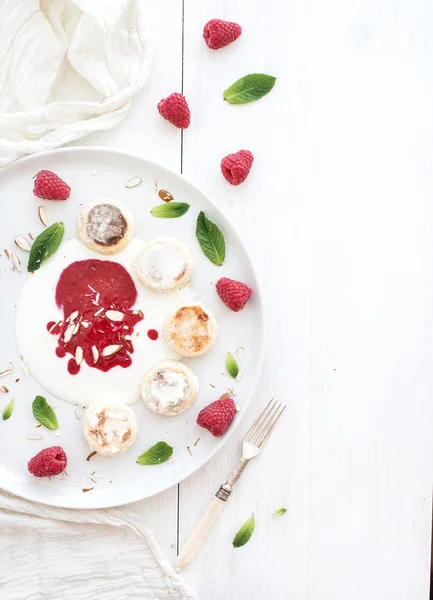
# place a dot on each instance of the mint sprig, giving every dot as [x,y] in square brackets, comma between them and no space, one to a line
[249,88]
[244,533]
[211,239]
[171,210]
[7,413]
[231,365]
[45,245]
[280,511]
[156,455]
[44,414]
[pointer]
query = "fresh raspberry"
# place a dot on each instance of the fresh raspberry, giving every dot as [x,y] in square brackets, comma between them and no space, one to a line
[235,167]
[49,186]
[48,462]
[233,293]
[218,34]
[217,416]
[175,109]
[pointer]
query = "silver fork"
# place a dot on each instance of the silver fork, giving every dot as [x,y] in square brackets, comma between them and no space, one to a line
[253,444]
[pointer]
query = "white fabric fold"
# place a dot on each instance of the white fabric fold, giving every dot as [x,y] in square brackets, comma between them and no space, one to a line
[61,554]
[67,68]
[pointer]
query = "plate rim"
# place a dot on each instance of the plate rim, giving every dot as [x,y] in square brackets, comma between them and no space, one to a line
[258,293]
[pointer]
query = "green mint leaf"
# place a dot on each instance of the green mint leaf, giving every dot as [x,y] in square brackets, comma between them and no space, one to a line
[211,240]
[280,511]
[156,455]
[45,245]
[232,365]
[249,88]
[7,413]
[170,210]
[244,533]
[44,414]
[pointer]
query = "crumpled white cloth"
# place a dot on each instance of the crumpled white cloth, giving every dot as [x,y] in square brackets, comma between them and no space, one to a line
[60,554]
[67,68]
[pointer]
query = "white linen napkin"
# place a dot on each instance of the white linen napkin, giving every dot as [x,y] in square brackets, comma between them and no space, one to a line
[67,68]
[62,554]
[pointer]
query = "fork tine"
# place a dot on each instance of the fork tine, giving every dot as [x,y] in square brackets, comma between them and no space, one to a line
[264,423]
[251,432]
[271,426]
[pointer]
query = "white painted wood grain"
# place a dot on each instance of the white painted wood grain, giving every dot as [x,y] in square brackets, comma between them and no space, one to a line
[338,214]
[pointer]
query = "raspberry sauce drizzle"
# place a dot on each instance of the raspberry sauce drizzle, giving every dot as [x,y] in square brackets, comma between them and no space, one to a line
[86,290]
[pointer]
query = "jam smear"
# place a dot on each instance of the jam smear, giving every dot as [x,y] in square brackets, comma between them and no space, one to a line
[153,334]
[86,290]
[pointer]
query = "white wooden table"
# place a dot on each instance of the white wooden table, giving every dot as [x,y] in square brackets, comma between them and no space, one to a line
[338,215]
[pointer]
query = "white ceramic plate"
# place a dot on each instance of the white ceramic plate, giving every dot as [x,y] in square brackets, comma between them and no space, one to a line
[119,480]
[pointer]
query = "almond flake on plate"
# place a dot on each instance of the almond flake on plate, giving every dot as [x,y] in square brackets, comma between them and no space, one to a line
[69,332]
[72,316]
[95,354]
[240,352]
[172,459]
[79,355]
[4,389]
[114,315]
[42,214]
[51,329]
[22,243]
[16,263]
[7,371]
[34,437]
[110,350]
[133,182]
[25,369]
[77,414]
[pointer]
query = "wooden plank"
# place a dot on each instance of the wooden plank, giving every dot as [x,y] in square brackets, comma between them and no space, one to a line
[270,213]
[337,214]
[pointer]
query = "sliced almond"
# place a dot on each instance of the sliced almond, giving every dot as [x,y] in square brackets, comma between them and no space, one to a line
[16,263]
[25,369]
[98,312]
[165,196]
[240,352]
[114,315]
[76,328]
[51,329]
[77,414]
[22,243]
[69,332]
[31,237]
[133,182]
[95,354]
[90,288]
[85,324]
[72,316]
[110,350]
[42,214]
[128,337]
[4,389]
[98,295]
[34,437]
[78,355]
[6,372]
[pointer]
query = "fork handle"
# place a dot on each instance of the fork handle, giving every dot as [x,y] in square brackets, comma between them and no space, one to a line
[198,536]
